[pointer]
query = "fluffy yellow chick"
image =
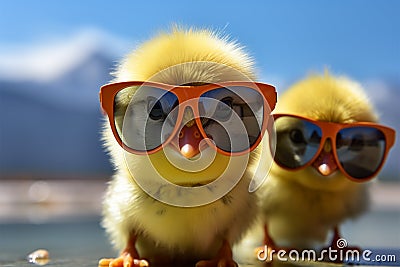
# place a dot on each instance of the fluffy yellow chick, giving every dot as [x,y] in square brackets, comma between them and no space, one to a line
[301,207]
[147,219]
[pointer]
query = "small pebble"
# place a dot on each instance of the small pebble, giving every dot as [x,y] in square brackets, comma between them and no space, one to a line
[39,257]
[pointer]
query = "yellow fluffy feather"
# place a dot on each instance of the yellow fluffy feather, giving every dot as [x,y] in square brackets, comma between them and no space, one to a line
[187,45]
[301,208]
[164,232]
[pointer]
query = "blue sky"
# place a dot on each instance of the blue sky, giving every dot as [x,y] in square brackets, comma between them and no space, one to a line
[288,39]
[41,40]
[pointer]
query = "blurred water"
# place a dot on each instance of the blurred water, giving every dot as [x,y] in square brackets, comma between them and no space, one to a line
[83,243]
[63,217]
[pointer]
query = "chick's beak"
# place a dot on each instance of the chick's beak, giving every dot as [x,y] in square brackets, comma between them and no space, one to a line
[189,140]
[325,164]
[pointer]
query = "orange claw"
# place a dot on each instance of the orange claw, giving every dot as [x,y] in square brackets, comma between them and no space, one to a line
[140,263]
[128,257]
[104,262]
[125,260]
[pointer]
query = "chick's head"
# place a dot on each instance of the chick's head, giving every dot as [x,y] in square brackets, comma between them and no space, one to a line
[330,99]
[180,57]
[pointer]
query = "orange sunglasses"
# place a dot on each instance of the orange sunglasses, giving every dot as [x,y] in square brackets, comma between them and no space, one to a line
[145,116]
[359,149]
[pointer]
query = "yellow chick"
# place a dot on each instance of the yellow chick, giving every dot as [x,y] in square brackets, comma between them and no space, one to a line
[325,150]
[183,202]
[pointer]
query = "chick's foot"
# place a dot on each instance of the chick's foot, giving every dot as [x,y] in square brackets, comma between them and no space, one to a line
[124,260]
[340,245]
[266,252]
[129,257]
[223,258]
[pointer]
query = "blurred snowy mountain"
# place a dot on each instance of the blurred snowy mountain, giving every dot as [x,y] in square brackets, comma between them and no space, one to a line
[50,117]
[385,95]
[50,125]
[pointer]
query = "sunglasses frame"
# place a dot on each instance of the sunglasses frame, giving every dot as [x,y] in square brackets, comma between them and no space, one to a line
[184,93]
[330,130]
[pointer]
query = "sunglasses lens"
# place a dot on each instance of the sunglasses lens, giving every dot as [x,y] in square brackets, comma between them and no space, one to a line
[232,117]
[145,116]
[361,150]
[297,141]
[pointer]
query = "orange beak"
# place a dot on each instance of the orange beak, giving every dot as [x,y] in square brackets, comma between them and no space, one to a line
[325,164]
[189,140]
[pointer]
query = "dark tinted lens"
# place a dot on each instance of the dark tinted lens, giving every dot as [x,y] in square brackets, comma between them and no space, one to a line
[297,141]
[145,116]
[360,150]
[232,117]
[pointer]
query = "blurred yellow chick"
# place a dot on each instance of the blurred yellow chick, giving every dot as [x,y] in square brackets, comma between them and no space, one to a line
[146,219]
[325,149]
